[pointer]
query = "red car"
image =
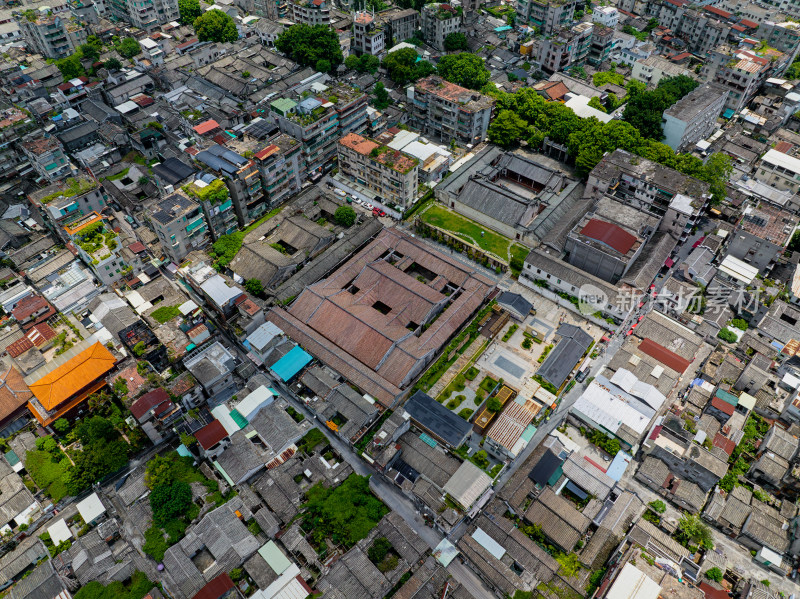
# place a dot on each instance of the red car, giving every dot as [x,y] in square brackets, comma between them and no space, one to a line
[629,333]
[378,212]
[634,325]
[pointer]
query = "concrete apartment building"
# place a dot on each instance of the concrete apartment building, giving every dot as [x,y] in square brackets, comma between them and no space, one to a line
[98,246]
[220,214]
[449,111]
[51,35]
[375,33]
[282,168]
[653,69]
[391,173]
[566,48]
[241,177]
[643,183]
[318,121]
[601,46]
[546,15]
[47,158]
[702,31]
[779,170]
[145,14]
[607,16]
[310,12]
[693,117]
[368,36]
[179,224]
[783,36]
[742,72]
[440,20]
[61,203]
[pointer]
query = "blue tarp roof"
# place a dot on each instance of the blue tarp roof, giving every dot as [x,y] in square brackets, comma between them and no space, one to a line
[184,452]
[503,28]
[727,114]
[292,363]
[618,465]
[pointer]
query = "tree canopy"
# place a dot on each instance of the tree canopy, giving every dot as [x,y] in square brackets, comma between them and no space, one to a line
[215,26]
[254,287]
[455,41]
[381,96]
[692,530]
[464,69]
[170,501]
[308,44]
[344,514]
[404,67]
[189,11]
[345,216]
[588,139]
[128,48]
[70,67]
[645,109]
[366,63]
[113,64]
[507,129]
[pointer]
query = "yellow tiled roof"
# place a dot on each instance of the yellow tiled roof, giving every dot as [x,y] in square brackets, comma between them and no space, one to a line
[60,384]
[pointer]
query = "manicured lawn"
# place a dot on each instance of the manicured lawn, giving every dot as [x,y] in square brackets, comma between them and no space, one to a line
[519,251]
[445,219]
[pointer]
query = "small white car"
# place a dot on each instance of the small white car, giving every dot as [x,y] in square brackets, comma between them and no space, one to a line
[368,206]
[339,192]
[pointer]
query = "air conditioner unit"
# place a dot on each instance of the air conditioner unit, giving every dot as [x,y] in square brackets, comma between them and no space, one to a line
[169,189]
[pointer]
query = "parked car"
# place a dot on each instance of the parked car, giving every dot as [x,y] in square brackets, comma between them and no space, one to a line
[339,192]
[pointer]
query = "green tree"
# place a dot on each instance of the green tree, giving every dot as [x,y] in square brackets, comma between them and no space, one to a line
[113,64]
[345,216]
[170,501]
[727,335]
[595,102]
[494,405]
[404,67]
[381,96]
[61,425]
[95,462]
[128,48]
[352,62]
[96,430]
[739,323]
[658,505]
[307,44]
[70,67]
[215,26]
[254,287]
[120,387]
[793,72]
[507,129]
[323,65]
[481,459]
[369,64]
[645,108]
[464,69]
[692,529]
[714,574]
[380,547]
[89,52]
[189,11]
[455,41]
[344,514]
